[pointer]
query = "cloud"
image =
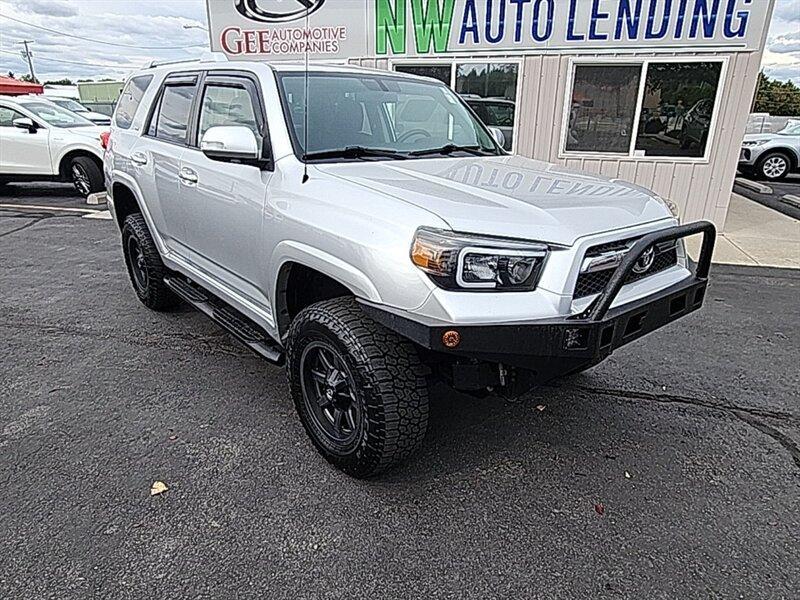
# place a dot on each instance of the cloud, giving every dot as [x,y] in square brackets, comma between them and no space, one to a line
[785,44]
[50,8]
[135,24]
[788,10]
[784,72]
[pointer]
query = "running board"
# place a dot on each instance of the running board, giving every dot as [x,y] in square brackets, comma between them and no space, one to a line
[227,317]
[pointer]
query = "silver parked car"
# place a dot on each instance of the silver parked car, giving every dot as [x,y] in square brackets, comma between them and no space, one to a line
[772,155]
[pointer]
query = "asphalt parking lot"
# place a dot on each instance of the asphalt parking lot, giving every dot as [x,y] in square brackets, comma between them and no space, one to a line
[776,199]
[686,442]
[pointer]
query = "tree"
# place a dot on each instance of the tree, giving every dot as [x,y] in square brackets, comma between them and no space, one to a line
[778,98]
[28,79]
[64,81]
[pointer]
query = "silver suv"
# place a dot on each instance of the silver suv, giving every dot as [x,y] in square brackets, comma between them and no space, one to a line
[367,229]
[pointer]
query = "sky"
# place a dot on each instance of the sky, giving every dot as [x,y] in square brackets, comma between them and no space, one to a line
[160,25]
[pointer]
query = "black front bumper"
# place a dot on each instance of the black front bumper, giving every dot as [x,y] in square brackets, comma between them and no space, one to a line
[557,347]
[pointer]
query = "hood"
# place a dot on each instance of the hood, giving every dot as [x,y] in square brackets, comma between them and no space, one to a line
[509,196]
[92,133]
[759,137]
[96,116]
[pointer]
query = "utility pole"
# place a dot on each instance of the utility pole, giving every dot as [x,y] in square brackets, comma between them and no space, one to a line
[29,55]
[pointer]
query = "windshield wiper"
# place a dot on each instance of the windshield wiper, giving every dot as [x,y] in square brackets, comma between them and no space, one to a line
[355,152]
[450,148]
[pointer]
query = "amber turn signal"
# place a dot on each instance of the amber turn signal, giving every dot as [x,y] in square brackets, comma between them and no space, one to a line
[451,339]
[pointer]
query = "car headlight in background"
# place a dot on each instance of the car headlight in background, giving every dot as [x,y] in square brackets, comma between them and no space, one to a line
[456,261]
[750,144]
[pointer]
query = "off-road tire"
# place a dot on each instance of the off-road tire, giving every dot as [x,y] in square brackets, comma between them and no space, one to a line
[770,155]
[155,295]
[94,175]
[389,385]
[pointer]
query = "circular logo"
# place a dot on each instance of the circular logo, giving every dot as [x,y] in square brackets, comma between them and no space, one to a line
[277,11]
[645,262]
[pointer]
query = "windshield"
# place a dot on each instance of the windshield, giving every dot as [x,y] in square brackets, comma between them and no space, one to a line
[70,105]
[57,116]
[384,117]
[793,128]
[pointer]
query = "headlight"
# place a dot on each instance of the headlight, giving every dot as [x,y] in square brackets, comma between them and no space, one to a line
[754,143]
[456,261]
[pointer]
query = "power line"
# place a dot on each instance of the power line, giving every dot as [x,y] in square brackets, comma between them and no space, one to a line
[71,62]
[86,39]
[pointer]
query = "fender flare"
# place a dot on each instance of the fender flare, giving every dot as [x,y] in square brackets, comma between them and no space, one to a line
[348,275]
[119,177]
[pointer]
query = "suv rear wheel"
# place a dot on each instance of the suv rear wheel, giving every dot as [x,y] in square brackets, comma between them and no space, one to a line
[144,265]
[359,389]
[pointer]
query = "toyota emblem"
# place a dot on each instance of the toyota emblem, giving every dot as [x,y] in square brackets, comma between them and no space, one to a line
[277,11]
[645,262]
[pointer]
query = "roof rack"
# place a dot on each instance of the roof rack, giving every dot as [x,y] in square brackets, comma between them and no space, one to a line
[208,57]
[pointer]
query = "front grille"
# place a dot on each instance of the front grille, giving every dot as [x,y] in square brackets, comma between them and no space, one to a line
[594,283]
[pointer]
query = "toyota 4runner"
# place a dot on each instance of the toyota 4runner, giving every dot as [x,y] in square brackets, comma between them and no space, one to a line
[365,228]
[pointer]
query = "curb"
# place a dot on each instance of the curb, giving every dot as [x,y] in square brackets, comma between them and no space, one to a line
[791,200]
[753,186]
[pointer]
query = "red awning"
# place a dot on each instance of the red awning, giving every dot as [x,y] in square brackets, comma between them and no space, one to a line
[15,87]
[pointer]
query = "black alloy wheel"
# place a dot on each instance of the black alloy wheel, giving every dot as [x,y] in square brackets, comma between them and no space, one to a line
[330,396]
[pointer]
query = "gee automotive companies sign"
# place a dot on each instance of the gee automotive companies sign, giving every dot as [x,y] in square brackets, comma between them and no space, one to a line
[288,29]
[340,29]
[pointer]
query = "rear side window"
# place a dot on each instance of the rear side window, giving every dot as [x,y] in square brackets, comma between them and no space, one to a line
[130,100]
[171,123]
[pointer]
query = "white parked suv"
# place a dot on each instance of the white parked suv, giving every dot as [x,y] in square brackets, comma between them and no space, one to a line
[40,141]
[376,237]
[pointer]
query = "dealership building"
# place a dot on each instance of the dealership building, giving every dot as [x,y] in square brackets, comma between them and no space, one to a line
[654,92]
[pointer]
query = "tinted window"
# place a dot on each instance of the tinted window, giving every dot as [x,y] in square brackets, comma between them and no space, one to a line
[172,124]
[8,116]
[603,108]
[130,99]
[497,81]
[677,108]
[227,106]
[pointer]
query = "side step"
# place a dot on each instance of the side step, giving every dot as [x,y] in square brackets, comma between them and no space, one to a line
[224,315]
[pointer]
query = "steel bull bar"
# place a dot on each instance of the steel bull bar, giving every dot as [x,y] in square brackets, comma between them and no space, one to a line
[556,347]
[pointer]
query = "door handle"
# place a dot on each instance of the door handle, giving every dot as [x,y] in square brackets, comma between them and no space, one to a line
[188,176]
[139,159]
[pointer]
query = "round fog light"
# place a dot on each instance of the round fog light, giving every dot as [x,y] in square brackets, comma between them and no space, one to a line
[451,339]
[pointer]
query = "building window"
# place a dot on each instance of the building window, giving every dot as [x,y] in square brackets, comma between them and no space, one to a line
[675,107]
[603,108]
[441,72]
[491,91]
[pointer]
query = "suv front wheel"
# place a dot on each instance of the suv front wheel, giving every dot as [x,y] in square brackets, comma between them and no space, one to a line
[359,389]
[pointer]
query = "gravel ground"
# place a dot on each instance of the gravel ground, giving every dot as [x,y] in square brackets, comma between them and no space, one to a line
[687,438]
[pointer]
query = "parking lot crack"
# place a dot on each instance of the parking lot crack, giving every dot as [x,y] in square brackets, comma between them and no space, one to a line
[749,415]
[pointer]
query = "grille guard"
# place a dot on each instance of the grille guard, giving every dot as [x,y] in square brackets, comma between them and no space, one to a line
[598,309]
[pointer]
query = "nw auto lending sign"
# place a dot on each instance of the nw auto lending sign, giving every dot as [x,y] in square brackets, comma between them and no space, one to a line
[338,29]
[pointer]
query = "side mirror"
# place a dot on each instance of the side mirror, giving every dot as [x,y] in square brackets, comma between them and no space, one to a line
[498,136]
[231,143]
[25,123]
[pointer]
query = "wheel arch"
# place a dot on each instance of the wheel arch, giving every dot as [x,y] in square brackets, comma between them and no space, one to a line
[67,158]
[125,202]
[305,278]
[790,153]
